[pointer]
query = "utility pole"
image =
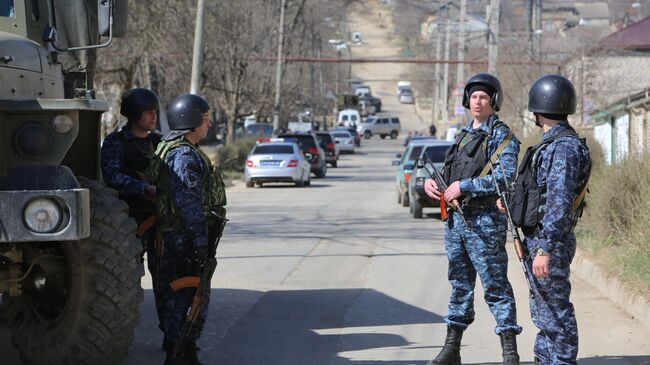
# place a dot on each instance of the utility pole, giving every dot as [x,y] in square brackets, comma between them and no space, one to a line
[435,112]
[493,36]
[460,74]
[537,30]
[197,57]
[278,75]
[445,78]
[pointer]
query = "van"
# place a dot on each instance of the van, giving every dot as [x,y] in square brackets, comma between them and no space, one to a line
[363,91]
[382,125]
[349,118]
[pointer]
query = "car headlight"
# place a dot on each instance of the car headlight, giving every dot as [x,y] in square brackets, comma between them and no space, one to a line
[62,123]
[43,215]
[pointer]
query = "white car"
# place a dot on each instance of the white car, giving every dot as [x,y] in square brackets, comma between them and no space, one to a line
[277,162]
[344,140]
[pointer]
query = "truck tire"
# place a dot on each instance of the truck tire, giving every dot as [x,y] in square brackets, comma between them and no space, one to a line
[393,134]
[94,320]
[367,134]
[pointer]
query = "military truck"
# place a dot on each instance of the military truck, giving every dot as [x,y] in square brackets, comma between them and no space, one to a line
[70,265]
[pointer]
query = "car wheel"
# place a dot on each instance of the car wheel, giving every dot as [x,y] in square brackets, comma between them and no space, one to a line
[308,182]
[249,184]
[300,183]
[399,197]
[393,134]
[334,164]
[322,172]
[405,199]
[259,184]
[382,136]
[367,134]
[417,209]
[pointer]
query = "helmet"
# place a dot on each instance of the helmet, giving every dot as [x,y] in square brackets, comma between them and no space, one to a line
[136,101]
[486,80]
[186,112]
[552,94]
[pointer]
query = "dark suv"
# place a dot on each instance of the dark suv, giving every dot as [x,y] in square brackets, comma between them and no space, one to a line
[314,153]
[329,145]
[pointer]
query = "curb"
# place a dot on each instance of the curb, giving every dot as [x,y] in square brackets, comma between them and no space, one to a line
[610,286]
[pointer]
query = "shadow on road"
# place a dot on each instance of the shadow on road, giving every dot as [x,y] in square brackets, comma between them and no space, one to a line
[312,326]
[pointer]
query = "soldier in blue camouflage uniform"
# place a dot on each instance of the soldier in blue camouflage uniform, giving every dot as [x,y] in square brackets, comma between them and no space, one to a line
[190,192]
[548,200]
[125,156]
[479,246]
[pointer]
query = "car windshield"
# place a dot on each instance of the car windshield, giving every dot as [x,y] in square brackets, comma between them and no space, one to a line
[415,152]
[436,153]
[259,130]
[279,149]
[370,120]
[7,8]
[305,142]
[341,135]
[324,137]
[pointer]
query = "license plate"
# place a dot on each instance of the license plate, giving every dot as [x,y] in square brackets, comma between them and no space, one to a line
[270,163]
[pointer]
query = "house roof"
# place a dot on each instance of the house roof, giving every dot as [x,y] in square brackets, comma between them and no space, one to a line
[634,36]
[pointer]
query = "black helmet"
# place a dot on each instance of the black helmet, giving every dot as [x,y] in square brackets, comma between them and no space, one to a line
[136,101]
[491,82]
[552,94]
[186,112]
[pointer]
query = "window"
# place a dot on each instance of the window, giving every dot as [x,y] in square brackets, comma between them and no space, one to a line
[394,121]
[384,121]
[436,153]
[353,117]
[415,152]
[7,8]
[273,149]
[341,135]
[344,118]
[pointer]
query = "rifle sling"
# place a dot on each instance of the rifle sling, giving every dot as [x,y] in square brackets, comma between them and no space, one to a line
[496,153]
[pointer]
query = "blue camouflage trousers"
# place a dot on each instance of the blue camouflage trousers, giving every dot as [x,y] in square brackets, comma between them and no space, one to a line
[551,310]
[479,249]
[176,263]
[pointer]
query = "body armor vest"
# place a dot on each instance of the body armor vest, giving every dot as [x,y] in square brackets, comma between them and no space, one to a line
[136,161]
[529,199]
[214,189]
[468,155]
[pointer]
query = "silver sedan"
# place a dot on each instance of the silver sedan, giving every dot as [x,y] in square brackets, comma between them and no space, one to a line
[277,162]
[344,139]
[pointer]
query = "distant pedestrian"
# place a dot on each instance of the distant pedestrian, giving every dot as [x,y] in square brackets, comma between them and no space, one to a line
[432,130]
[548,200]
[476,244]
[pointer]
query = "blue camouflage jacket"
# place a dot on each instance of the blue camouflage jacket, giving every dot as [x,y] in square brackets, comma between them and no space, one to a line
[113,162]
[186,170]
[484,186]
[564,167]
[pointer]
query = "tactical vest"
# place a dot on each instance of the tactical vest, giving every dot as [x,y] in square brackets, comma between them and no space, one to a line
[529,199]
[467,157]
[214,189]
[136,161]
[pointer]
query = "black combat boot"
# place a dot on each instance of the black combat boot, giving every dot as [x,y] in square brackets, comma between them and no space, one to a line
[509,346]
[175,360]
[450,353]
[190,354]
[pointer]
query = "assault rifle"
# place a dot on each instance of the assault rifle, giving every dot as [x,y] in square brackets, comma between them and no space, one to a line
[519,247]
[201,283]
[433,173]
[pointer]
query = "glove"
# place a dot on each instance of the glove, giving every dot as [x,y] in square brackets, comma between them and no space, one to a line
[199,259]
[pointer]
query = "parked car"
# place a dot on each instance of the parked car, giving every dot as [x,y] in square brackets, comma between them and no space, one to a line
[363,91]
[418,199]
[403,85]
[353,131]
[405,165]
[366,108]
[308,144]
[277,162]
[349,118]
[382,125]
[344,139]
[406,97]
[374,101]
[332,150]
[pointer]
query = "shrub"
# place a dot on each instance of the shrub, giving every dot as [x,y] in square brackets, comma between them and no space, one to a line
[232,157]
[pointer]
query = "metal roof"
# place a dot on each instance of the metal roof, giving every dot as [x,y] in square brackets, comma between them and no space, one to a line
[636,36]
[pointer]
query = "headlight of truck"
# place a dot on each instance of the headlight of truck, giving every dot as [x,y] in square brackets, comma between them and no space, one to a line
[43,215]
[62,123]
[33,140]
